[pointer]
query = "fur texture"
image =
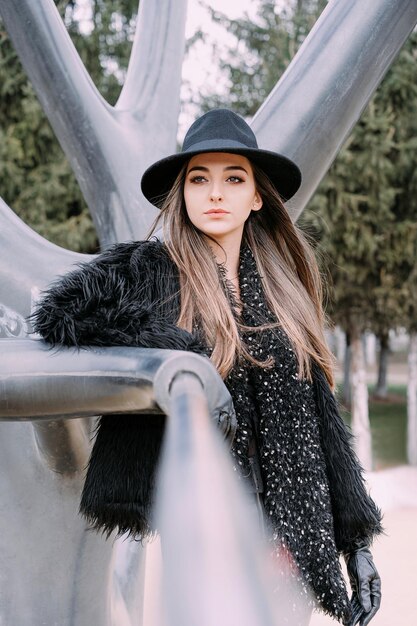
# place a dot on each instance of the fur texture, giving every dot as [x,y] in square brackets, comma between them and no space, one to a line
[361,520]
[119,495]
[119,299]
[315,496]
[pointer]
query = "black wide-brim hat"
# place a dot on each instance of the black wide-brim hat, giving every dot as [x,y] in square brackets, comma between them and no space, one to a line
[220,130]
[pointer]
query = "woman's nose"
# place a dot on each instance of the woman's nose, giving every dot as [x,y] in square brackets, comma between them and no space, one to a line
[216,195]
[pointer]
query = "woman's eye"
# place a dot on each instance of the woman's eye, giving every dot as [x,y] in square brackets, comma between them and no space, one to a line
[235,179]
[197,179]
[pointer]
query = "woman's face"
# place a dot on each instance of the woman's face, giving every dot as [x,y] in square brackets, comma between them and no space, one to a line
[219,194]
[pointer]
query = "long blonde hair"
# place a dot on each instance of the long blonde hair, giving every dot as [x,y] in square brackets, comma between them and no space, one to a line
[286,264]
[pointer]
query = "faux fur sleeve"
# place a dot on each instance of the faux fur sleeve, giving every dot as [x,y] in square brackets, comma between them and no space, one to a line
[111,301]
[356,517]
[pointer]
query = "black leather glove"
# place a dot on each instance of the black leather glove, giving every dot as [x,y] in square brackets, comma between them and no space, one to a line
[365,584]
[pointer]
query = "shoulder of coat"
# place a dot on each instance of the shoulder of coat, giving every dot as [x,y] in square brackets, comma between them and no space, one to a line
[129,251]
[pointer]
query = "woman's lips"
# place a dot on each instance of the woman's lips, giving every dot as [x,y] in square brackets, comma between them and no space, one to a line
[216,212]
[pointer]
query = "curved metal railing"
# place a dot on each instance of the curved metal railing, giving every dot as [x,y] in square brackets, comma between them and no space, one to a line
[214,565]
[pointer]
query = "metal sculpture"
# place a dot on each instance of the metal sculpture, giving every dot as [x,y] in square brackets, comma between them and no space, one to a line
[320,98]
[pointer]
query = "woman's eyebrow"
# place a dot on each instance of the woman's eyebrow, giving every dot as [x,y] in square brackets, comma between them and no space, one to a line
[198,167]
[206,169]
[235,167]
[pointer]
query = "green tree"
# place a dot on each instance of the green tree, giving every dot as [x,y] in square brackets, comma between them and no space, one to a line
[368,206]
[364,213]
[35,177]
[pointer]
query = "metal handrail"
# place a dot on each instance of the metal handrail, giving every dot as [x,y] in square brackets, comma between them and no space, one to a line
[39,384]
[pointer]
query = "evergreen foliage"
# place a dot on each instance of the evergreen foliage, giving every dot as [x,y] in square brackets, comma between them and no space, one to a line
[36,180]
[364,213]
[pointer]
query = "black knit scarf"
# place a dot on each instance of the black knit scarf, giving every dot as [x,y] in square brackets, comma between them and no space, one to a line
[314,495]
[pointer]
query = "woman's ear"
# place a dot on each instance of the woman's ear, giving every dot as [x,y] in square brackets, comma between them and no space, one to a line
[257,202]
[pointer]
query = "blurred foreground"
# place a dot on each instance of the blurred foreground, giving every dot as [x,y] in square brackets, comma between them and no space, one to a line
[395,553]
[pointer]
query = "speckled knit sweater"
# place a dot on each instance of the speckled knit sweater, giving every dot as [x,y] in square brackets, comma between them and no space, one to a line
[315,499]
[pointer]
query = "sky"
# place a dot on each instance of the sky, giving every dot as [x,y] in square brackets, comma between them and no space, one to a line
[201,73]
[199,69]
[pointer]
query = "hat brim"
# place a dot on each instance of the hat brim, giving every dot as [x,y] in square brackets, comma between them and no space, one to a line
[283,173]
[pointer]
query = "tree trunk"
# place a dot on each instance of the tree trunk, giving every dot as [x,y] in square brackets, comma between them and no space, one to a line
[370,349]
[412,401]
[381,386]
[340,343]
[360,413]
[346,372]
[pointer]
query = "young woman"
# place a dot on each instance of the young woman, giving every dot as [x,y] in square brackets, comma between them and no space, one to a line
[234,280]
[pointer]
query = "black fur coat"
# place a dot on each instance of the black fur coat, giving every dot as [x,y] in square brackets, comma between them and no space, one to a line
[315,497]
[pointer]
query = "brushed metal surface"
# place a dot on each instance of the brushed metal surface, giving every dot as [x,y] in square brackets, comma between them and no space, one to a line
[53,570]
[318,100]
[108,147]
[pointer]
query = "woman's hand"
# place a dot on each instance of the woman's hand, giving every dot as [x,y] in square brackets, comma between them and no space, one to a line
[365,583]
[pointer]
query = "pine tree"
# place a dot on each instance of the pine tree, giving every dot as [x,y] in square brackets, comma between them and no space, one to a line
[367,204]
[35,177]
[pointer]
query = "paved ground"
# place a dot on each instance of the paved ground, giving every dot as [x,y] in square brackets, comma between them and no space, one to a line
[395,554]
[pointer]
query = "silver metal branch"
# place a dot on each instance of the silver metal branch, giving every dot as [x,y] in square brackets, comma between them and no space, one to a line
[320,97]
[108,147]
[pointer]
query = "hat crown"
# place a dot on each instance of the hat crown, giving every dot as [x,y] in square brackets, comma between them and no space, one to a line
[220,125]
[220,130]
